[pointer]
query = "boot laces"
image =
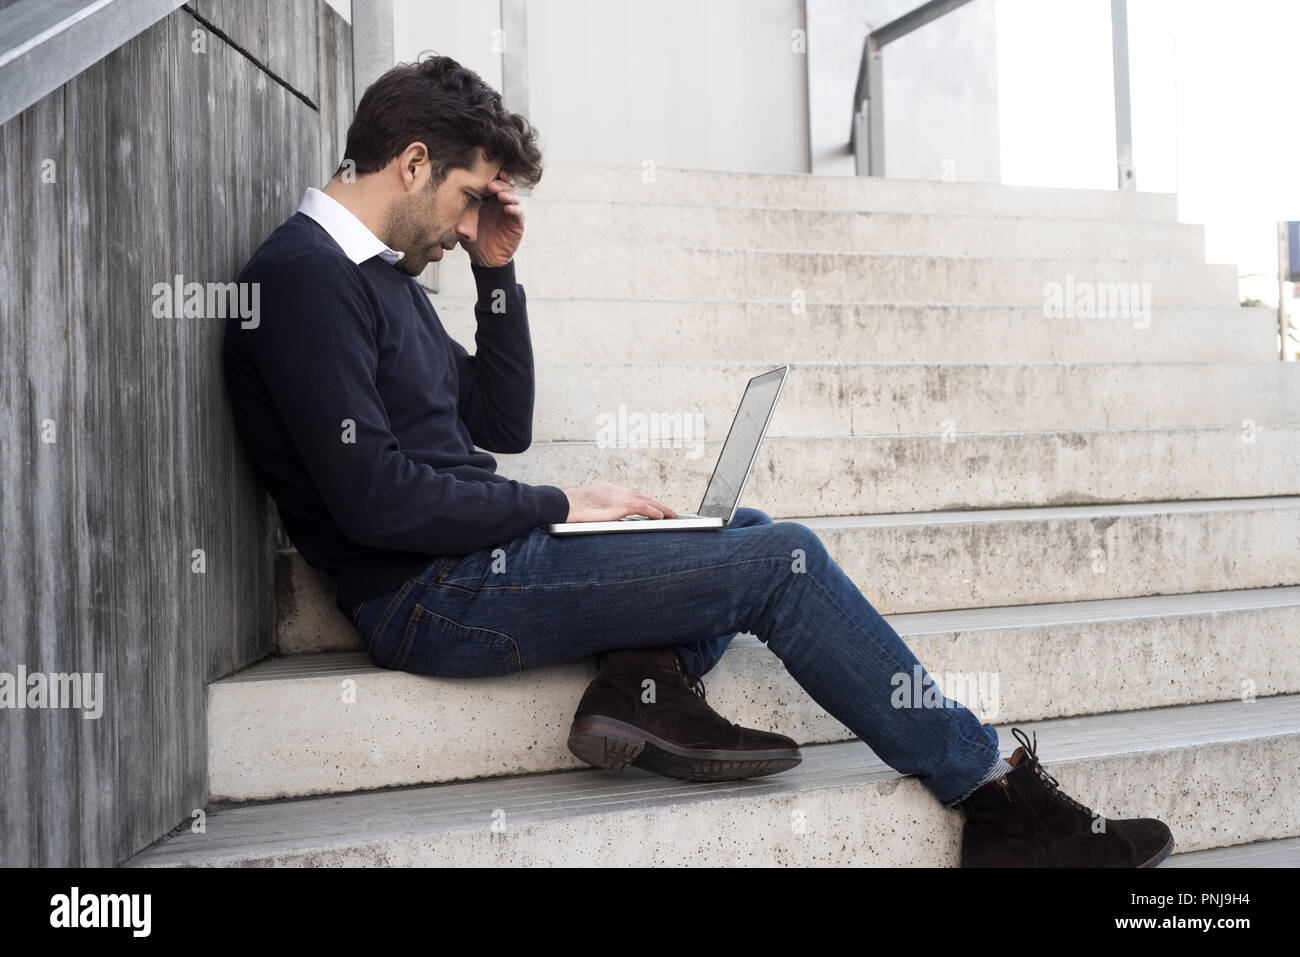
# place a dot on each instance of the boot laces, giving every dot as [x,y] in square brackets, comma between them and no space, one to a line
[693,682]
[1050,783]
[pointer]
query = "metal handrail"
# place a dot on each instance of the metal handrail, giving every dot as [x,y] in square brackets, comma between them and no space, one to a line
[867,132]
[45,43]
[867,136]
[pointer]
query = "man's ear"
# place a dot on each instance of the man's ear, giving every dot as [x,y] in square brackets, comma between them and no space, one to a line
[413,165]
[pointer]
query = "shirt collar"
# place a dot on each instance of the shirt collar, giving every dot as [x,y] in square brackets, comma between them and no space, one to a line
[357,242]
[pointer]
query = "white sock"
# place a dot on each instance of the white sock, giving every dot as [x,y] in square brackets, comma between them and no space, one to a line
[1001,769]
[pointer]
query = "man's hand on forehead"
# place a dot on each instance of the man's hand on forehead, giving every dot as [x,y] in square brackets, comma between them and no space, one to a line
[500,224]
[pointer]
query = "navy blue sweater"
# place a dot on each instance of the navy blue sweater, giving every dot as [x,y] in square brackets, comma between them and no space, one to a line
[361,414]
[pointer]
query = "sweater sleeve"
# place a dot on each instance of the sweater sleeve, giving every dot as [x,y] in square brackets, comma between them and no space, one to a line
[316,352]
[497,382]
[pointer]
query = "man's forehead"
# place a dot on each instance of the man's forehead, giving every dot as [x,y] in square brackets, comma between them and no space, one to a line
[480,174]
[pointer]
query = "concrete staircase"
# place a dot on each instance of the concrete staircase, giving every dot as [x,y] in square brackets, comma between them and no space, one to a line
[1101,511]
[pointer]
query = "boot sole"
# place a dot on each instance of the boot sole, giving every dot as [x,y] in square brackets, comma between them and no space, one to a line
[614,745]
[1154,861]
[1160,854]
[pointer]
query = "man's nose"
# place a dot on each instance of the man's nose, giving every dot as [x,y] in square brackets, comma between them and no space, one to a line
[467,228]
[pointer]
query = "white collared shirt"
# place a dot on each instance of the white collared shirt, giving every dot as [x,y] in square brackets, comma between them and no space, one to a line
[354,238]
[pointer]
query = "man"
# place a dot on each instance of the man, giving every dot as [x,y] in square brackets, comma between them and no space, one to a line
[363,417]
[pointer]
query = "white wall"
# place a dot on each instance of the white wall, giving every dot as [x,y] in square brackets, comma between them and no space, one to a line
[724,84]
[941,89]
[468,31]
[1058,94]
[708,84]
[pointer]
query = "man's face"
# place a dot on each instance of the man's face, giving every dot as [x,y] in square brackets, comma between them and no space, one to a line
[428,221]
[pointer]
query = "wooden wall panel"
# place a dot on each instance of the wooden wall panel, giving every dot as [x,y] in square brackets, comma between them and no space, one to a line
[196,222]
[168,161]
[334,59]
[101,626]
[54,732]
[18,837]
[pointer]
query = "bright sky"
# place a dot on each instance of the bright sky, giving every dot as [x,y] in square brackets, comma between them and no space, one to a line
[1213,85]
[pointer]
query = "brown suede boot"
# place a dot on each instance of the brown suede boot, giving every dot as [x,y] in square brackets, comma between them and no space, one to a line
[1024,820]
[675,734]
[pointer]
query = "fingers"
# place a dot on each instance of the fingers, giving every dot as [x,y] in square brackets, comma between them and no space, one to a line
[507,196]
[654,508]
[664,510]
[635,501]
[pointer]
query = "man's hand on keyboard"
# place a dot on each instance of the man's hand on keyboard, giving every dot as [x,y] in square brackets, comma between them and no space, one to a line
[608,503]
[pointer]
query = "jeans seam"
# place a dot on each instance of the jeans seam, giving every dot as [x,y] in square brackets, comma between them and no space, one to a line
[388,611]
[832,603]
[451,566]
[445,565]
[631,581]
[421,613]
[830,600]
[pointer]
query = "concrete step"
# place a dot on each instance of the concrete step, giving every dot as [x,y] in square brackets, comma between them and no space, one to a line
[1281,853]
[578,401]
[932,561]
[973,559]
[323,723]
[712,188]
[600,224]
[1218,774]
[1110,288]
[939,472]
[757,331]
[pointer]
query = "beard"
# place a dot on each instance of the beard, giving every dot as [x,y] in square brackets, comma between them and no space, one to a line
[413,229]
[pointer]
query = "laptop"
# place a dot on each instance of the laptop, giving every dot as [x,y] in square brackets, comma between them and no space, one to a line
[730,474]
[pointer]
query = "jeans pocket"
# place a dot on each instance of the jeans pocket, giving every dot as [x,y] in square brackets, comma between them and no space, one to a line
[433,644]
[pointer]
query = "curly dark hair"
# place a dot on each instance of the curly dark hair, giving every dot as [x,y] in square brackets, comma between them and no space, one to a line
[449,109]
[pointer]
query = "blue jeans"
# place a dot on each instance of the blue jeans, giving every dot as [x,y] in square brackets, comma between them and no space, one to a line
[542,600]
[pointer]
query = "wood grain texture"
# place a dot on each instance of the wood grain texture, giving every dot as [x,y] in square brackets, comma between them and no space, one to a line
[45,305]
[293,49]
[18,838]
[334,61]
[93,417]
[197,218]
[168,162]
[132,201]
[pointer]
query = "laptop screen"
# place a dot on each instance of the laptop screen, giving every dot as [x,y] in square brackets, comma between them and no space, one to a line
[738,452]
